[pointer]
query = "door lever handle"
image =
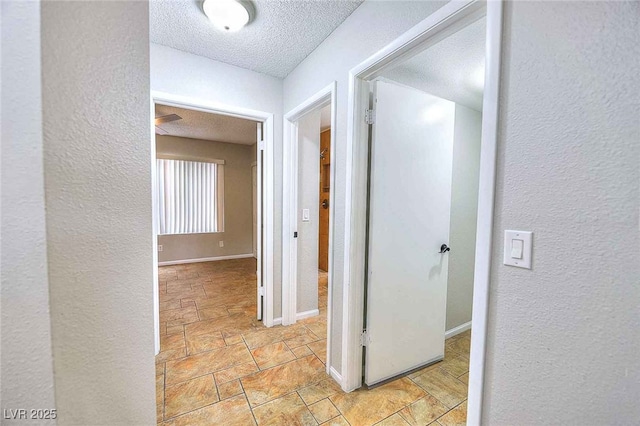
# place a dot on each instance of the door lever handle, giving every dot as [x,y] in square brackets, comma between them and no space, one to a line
[444,248]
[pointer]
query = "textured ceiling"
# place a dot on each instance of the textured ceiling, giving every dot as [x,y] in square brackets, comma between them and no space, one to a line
[451,69]
[206,126]
[282,34]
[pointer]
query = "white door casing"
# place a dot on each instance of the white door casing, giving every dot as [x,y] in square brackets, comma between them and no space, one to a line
[410,202]
[259,228]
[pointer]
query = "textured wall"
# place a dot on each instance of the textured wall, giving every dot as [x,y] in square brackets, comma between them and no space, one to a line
[196,77]
[308,184]
[563,337]
[368,29]
[26,371]
[97,159]
[238,205]
[464,215]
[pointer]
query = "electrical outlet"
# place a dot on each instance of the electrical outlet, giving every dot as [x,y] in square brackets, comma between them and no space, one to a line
[221,243]
[159,247]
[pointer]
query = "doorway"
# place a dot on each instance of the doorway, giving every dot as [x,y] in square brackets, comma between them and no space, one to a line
[261,168]
[308,210]
[362,257]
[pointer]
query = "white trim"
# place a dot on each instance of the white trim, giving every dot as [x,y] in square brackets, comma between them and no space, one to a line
[326,96]
[445,21]
[486,197]
[205,259]
[457,330]
[267,119]
[307,314]
[277,321]
[336,376]
[260,296]
[154,233]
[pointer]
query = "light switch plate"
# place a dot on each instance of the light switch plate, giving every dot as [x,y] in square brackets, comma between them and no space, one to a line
[305,215]
[512,255]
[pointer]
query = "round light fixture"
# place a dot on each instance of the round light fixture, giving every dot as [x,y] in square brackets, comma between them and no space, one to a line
[228,15]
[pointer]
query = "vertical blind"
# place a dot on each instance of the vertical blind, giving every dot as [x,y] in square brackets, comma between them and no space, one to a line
[190,196]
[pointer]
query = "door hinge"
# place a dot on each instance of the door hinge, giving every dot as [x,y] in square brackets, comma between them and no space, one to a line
[364,338]
[261,145]
[370,116]
[260,291]
[295,234]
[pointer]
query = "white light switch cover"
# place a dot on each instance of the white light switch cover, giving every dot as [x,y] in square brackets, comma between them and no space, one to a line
[305,215]
[518,247]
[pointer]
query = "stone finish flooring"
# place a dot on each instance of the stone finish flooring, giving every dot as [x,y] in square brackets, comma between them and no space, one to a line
[218,365]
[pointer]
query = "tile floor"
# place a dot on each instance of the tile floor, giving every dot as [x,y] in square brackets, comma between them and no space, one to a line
[219,366]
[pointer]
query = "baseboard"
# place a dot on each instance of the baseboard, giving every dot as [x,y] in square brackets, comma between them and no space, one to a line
[457,330]
[205,259]
[307,314]
[336,376]
[299,316]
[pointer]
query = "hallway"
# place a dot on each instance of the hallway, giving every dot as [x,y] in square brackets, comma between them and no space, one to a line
[219,365]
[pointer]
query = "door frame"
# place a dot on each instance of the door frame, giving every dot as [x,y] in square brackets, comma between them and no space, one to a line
[254,208]
[442,23]
[324,97]
[267,118]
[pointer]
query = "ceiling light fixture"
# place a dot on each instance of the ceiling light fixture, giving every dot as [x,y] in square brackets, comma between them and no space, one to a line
[228,15]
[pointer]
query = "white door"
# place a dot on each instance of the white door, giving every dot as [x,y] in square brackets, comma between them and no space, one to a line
[411,163]
[259,236]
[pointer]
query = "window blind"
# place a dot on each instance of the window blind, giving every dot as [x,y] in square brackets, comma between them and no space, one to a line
[190,196]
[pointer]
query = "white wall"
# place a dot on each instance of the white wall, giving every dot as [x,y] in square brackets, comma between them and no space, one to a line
[97,163]
[185,74]
[563,337]
[308,187]
[464,214]
[26,371]
[369,28]
[238,206]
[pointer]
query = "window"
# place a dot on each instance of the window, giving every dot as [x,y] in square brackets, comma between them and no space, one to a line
[190,196]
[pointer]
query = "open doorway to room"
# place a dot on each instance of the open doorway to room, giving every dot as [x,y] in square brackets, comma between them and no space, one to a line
[308,219]
[207,194]
[313,223]
[209,221]
[423,204]
[423,147]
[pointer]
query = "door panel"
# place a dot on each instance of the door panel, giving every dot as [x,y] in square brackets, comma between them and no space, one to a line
[325,191]
[411,164]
